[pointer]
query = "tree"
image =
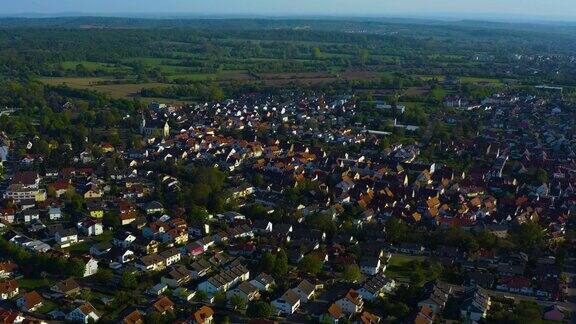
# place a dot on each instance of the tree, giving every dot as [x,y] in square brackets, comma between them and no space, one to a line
[281,265]
[201,296]
[267,262]
[528,236]
[216,93]
[238,303]
[128,280]
[310,264]
[111,220]
[316,53]
[260,309]
[104,275]
[351,273]
[220,297]
[197,215]
[76,267]
[541,176]
[395,230]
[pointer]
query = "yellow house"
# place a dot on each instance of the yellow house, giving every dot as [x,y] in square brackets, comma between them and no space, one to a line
[106,147]
[92,193]
[97,213]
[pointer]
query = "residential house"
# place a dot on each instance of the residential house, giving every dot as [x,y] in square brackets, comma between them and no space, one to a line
[158,289]
[135,317]
[54,213]
[305,291]
[154,207]
[120,255]
[152,262]
[91,267]
[66,237]
[333,314]
[262,227]
[204,315]
[555,313]
[163,305]
[519,285]
[435,297]
[376,286]
[352,303]
[200,268]
[66,287]
[244,290]
[369,318]
[370,265]
[177,276]
[288,303]
[225,280]
[29,215]
[90,227]
[123,239]
[7,269]
[171,256]
[263,282]
[100,249]
[475,305]
[8,289]
[30,301]
[86,313]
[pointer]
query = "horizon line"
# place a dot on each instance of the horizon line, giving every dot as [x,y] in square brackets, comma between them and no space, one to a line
[491,17]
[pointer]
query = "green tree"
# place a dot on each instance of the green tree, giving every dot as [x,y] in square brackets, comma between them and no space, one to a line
[238,303]
[128,280]
[310,264]
[541,176]
[281,265]
[104,275]
[201,296]
[260,309]
[528,236]
[396,230]
[76,267]
[267,262]
[197,215]
[111,220]
[316,53]
[351,273]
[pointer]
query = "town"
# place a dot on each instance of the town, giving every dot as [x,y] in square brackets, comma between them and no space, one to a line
[295,207]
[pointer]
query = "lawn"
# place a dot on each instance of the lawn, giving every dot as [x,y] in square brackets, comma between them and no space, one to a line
[79,248]
[466,79]
[47,307]
[399,266]
[94,66]
[122,90]
[31,284]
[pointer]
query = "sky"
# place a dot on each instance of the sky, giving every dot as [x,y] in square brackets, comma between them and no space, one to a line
[550,9]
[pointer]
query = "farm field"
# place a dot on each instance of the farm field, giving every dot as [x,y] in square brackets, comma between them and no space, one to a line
[123,90]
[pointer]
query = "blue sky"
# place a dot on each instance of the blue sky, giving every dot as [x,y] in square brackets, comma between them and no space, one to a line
[500,8]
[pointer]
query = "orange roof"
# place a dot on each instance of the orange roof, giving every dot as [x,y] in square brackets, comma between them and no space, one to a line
[369,318]
[32,299]
[8,286]
[335,311]
[134,318]
[204,313]
[163,305]
[354,297]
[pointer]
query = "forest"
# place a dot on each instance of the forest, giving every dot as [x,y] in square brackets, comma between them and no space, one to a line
[190,59]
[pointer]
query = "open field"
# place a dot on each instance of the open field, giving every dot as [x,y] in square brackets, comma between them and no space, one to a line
[399,266]
[123,90]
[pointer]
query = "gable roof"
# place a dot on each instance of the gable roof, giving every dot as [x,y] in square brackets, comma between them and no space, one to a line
[202,314]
